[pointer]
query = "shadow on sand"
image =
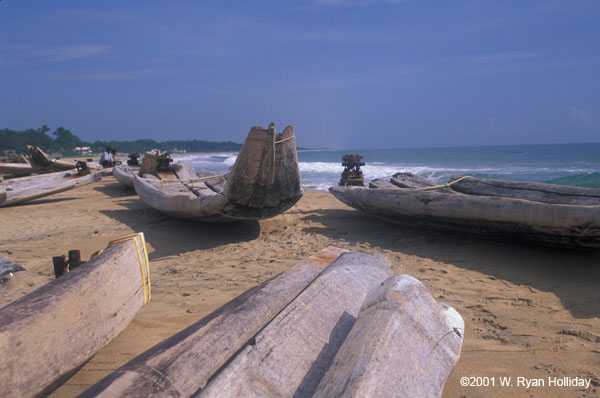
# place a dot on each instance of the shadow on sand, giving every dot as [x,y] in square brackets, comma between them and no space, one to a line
[559,271]
[116,190]
[172,236]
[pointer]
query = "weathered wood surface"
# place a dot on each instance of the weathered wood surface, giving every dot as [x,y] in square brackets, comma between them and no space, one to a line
[265,179]
[10,275]
[15,192]
[535,191]
[16,168]
[381,183]
[40,161]
[410,180]
[53,330]
[182,364]
[289,356]
[124,174]
[263,182]
[403,344]
[496,217]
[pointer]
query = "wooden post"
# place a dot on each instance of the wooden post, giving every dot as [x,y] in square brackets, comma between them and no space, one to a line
[74,259]
[60,265]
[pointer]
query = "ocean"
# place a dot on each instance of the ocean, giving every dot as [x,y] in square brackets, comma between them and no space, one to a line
[566,164]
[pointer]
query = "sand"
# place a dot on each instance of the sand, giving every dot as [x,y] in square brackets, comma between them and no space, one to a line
[529,312]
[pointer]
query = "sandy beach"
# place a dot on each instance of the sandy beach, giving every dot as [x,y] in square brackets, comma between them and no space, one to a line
[529,312]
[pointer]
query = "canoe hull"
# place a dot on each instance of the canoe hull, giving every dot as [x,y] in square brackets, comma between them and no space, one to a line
[496,217]
[48,333]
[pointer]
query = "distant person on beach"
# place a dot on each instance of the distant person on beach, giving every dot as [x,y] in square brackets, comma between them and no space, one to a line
[106,160]
[114,156]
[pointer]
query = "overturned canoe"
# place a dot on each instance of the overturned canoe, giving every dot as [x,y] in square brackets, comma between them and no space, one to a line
[285,337]
[19,190]
[47,334]
[403,344]
[263,182]
[540,213]
[183,364]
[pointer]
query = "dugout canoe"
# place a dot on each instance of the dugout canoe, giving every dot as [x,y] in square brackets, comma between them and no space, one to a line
[546,214]
[403,344]
[19,190]
[263,182]
[46,335]
[183,364]
[124,174]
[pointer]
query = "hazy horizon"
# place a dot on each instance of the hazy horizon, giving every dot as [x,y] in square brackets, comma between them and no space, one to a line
[344,73]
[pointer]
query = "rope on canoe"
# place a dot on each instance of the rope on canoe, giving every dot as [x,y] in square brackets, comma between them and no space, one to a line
[142,253]
[446,185]
[285,139]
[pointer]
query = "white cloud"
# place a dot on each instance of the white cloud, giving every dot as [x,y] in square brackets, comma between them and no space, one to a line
[123,75]
[352,3]
[36,54]
[506,56]
[580,116]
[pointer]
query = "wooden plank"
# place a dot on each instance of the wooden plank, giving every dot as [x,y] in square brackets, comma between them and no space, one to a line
[535,191]
[48,333]
[11,275]
[289,356]
[403,344]
[182,364]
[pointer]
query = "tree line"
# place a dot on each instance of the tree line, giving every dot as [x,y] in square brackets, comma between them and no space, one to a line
[63,141]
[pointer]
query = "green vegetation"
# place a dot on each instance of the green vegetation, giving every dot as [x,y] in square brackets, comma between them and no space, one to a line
[65,141]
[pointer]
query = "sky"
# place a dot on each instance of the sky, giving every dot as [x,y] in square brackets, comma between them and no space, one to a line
[344,73]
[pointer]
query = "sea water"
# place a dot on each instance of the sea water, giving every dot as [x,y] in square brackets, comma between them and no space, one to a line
[566,164]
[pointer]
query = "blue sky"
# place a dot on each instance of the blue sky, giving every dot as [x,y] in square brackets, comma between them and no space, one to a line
[345,73]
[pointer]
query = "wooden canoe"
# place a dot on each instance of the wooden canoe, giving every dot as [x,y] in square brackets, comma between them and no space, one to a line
[47,334]
[263,182]
[403,344]
[545,214]
[10,274]
[19,190]
[290,354]
[183,364]
[124,174]
[273,340]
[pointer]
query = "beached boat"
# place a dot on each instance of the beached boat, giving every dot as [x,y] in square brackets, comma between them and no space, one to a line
[39,162]
[281,337]
[263,182]
[124,174]
[19,190]
[547,214]
[50,332]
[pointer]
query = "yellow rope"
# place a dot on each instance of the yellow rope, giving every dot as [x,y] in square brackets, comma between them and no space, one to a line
[285,139]
[446,185]
[145,277]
